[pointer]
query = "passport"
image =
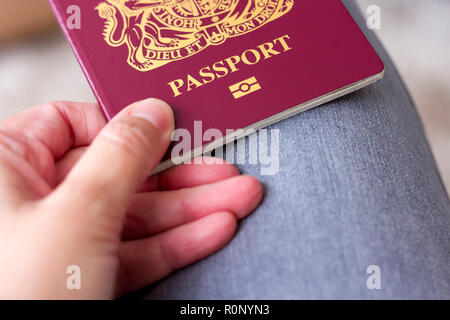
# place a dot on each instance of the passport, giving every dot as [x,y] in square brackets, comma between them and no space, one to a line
[229,64]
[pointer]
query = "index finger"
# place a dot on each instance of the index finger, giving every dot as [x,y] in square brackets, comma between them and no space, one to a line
[59,125]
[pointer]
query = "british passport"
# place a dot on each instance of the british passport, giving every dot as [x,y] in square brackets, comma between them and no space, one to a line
[227,64]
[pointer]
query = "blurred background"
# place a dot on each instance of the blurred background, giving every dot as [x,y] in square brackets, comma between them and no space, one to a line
[37,64]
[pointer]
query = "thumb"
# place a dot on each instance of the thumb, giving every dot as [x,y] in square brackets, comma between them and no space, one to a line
[120,158]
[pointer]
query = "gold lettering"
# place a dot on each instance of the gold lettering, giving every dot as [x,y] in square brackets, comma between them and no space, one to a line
[165,55]
[191,81]
[224,67]
[189,23]
[150,54]
[206,72]
[220,67]
[190,50]
[255,53]
[175,54]
[175,85]
[232,61]
[198,46]
[283,42]
[267,49]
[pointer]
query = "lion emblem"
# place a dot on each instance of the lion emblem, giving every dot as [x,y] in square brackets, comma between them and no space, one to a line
[158,32]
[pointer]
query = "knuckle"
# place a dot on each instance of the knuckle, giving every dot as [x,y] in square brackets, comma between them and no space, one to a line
[132,135]
[14,144]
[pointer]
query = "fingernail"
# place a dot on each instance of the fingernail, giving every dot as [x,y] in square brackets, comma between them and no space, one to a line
[155,111]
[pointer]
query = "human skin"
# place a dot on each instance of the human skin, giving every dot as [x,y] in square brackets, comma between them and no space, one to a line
[76,191]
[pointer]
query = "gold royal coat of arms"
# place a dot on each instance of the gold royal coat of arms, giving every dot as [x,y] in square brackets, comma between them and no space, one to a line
[158,32]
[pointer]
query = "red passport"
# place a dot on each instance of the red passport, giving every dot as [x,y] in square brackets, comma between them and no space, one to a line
[231,64]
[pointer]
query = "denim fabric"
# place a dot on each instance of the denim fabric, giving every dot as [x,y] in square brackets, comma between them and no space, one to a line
[357,186]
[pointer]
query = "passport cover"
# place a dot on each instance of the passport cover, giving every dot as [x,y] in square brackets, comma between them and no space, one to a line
[229,63]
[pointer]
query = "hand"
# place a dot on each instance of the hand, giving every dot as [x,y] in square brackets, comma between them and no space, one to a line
[68,197]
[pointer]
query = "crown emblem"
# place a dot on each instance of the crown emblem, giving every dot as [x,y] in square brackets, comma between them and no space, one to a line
[158,32]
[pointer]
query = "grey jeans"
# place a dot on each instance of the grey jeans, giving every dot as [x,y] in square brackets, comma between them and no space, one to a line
[357,186]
